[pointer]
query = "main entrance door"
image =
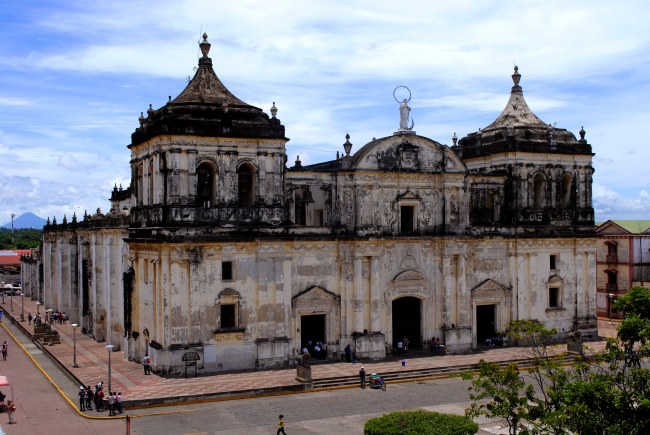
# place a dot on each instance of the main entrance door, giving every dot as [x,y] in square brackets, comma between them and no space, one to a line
[312,328]
[485,323]
[407,321]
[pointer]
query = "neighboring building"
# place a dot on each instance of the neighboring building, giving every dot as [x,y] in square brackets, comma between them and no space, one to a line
[10,265]
[220,252]
[623,260]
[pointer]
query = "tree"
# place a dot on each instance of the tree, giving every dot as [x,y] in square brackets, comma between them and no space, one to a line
[603,395]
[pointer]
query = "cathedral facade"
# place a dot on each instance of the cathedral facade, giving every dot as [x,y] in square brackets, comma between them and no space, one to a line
[222,253]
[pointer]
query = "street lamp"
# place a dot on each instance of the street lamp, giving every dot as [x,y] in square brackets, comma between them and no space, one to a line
[22,307]
[74,345]
[11,300]
[38,305]
[611,296]
[109,348]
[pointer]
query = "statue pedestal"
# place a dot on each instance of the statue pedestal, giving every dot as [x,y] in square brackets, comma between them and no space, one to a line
[303,374]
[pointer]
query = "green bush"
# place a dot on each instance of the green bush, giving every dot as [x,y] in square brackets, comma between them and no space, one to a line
[420,423]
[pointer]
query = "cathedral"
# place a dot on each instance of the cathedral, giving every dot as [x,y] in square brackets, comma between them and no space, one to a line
[221,252]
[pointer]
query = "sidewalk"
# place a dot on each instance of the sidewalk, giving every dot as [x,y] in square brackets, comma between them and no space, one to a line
[128,377]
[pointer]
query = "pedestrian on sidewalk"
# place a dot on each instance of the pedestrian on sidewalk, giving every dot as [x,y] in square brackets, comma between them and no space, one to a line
[29,318]
[89,398]
[82,398]
[280,425]
[11,408]
[118,402]
[362,377]
[146,363]
[111,404]
[5,348]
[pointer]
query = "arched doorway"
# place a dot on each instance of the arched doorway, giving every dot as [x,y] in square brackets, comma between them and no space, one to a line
[407,321]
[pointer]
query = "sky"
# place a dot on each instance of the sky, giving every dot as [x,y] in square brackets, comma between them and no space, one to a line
[74,77]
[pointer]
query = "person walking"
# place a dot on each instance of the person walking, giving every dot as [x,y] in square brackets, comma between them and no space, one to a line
[280,425]
[5,348]
[362,377]
[146,363]
[29,318]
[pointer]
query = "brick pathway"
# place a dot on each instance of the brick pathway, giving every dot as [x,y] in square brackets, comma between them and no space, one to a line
[128,376]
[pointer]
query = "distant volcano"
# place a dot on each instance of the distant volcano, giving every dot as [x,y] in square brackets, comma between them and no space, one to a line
[26,220]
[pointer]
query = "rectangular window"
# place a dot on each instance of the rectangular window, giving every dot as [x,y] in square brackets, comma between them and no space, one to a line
[406,216]
[226,271]
[553,262]
[228,319]
[554,297]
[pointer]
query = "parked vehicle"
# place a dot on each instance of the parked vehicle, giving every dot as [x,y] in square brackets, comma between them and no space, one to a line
[376,381]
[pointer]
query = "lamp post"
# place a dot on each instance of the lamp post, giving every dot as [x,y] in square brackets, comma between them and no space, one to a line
[22,307]
[74,345]
[611,296]
[11,300]
[38,305]
[109,348]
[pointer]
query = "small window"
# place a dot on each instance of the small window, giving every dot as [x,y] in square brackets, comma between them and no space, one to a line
[553,297]
[228,316]
[226,271]
[406,215]
[553,259]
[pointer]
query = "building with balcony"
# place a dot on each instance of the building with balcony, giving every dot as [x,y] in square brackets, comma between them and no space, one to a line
[221,248]
[622,260]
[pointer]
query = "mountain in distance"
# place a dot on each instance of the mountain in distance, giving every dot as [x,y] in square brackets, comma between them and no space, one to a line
[26,220]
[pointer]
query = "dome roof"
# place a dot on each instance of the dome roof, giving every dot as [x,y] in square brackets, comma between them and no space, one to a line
[516,113]
[518,129]
[207,108]
[206,87]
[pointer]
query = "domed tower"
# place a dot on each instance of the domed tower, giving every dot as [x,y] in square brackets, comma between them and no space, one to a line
[206,157]
[548,172]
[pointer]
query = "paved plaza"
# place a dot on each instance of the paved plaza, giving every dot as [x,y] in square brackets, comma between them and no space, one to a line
[142,391]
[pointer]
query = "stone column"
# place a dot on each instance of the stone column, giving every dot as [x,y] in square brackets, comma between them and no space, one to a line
[447,284]
[358,295]
[464,303]
[375,295]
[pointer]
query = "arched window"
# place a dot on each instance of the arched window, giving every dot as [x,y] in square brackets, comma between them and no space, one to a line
[539,184]
[246,185]
[205,185]
[565,190]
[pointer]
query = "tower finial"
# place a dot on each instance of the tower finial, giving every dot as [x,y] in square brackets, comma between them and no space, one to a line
[516,77]
[205,45]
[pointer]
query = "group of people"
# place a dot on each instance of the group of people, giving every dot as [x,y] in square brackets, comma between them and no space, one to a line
[316,348]
[436,347]
[88,397]
[497,340]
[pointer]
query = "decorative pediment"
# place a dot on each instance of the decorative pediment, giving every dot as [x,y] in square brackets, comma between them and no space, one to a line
[407,283]
[409,275]
[315,294]
[408,195]
[490,287]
